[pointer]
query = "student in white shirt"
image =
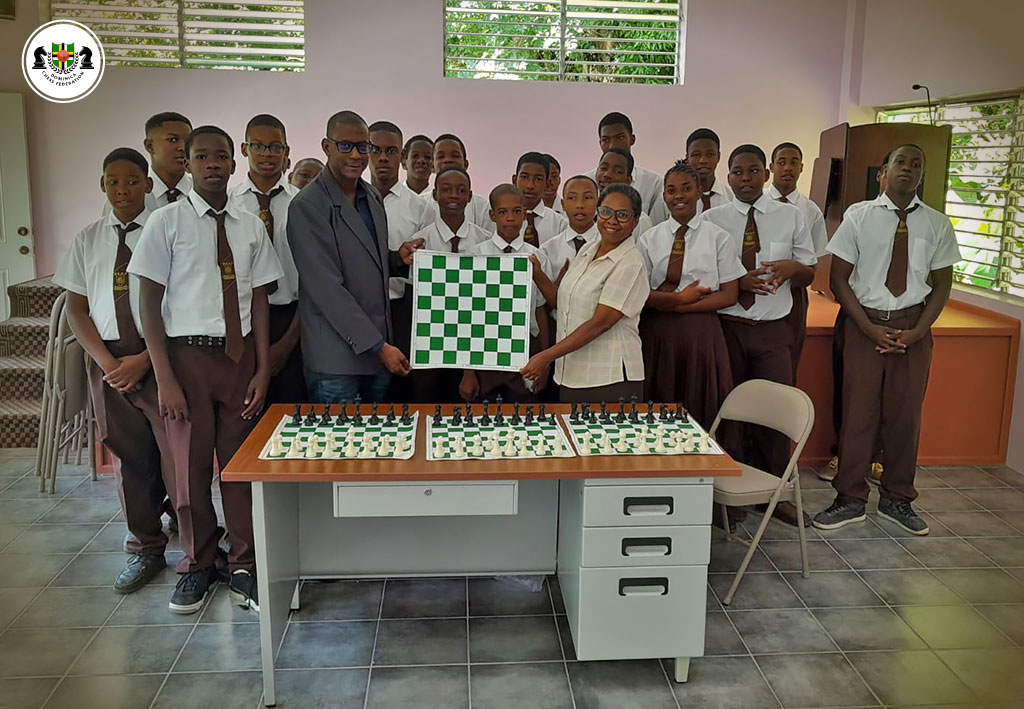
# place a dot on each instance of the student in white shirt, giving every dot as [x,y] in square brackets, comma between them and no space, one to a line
[775,248]
[451,233]
[450,151]
[266,193]
[103,311]
[579,200]
[164,142]
[508,214]
[305,171]
[616,168]
[892,271]
[615,130]
[418,161]
[531,177]
[204,265]
[786,166]
[551,193]
[694,270]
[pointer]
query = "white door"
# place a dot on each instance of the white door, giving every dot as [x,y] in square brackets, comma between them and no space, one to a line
[17,260]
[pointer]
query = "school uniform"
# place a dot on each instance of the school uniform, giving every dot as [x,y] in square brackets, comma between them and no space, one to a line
[611,365]
[648,183]
[510,384]
[887,388]
[718,195]
[432,386]
[161,195]
[289,385]
[563,247]
[542,224]
[815,221]
[207,314]
[759,340]
[685,355]
[130,425]
[478,211]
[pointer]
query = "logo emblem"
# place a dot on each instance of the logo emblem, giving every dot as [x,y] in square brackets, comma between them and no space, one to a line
[63,61]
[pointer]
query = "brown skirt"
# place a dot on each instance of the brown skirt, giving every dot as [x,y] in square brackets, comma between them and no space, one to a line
[686,361]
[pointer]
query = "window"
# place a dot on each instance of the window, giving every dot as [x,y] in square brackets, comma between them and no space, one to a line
[984,188]
[180,33]
[631,41]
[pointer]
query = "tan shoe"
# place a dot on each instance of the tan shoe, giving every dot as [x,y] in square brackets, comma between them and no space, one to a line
[875,477]
[828,473]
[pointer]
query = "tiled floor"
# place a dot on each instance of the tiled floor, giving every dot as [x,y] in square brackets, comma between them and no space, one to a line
[884,620]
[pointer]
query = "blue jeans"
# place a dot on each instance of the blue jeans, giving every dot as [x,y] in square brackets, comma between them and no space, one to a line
[336,388]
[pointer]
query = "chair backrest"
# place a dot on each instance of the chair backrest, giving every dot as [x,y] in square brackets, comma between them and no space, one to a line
[782,408]
[56,311]
[69,381]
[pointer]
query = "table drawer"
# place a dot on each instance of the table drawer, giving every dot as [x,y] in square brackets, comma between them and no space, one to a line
[427,499]
[648,546]
[632,613]
[647,506]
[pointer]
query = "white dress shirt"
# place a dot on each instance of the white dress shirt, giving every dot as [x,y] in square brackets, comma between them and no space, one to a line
[178,249]
[547,222]
[158,197]
[478,211]
[783,235]
[405,210]
[618,280]
[495,246]
[244,195]
[710,255]
[719,194]
[812,216]
[88,269]
[865,237]
[556,251]
[649,184]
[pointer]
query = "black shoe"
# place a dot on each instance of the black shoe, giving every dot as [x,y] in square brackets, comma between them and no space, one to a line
[220,562]
[140,570]
[192,590]
[901,513]
[840,514]
[172,516]
[243,591]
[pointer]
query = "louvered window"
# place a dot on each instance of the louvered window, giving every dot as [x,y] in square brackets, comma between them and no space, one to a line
[630,41]
[251,35]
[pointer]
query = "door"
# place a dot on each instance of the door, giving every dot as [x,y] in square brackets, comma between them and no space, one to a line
[17,260]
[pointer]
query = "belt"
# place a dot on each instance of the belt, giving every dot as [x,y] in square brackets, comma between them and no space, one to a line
[887,315]
[203,341]
[744,321]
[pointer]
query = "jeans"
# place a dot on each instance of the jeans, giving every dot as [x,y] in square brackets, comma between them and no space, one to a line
[336,388]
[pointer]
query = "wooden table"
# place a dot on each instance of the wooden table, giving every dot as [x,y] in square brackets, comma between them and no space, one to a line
[639,525]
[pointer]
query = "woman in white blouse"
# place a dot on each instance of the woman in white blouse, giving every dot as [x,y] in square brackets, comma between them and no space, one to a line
[597,354]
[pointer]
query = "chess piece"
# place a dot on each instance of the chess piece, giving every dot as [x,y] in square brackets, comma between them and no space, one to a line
[325,417]
[374,417]
[499,418]
[406,420]
[469,422]
[529,415]
[329,441]
[585,440]
[659,444]
[343,414]
[401,445]
[686,416]
[367,450]
[313,448]
[510,447]
[641,446]
[495,447]
[86,54]
[311,417]
[542,417]
[556,446]
[606,445]
[39,54]
[385,447]
[485,418]
[294,450]
[574,413]
[517,420]
[437,415]
[621,416]
[438,447]
[297,416]
[350,448]
[650,412]
[478,447]
[680,446]
[605,418]
[391,415]
[591,414]
[704,443]
[541,449]
[680,412]
[330,452]
[622,446]
[662,412]
[275,446]
[633,417]
[357,418]
[457,416]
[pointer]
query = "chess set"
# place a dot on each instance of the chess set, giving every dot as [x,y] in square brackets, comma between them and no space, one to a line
[344,436]
[655,431]
[486,437]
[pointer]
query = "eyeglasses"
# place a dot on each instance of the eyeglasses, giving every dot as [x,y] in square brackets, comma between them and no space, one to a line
[363,147]
[621,215]
[261,149]
[391,151]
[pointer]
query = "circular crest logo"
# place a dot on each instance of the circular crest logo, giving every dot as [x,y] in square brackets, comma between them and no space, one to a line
[63,61]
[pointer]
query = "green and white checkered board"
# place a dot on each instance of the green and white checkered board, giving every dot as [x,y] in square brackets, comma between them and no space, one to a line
[633,431]
[471,311]
[290,434]
[550,431]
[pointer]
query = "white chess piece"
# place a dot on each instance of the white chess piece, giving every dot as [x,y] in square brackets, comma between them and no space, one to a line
[704,443]
[541,449]
[401,444]
[680,446]
[350,448]
[585,440]
[659,444]
[606,445]
[622,446]
[330,452]
[439,448]
[641,446]
[478,447]
[276,447]
[460,447]
[385,448]
[510,446]
[313,448]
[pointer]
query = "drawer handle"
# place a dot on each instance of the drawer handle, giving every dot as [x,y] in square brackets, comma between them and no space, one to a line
[648,506]
[644,587]
[428,491]
[647,546]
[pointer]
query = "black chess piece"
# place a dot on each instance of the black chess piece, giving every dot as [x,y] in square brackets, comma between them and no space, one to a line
[543,416]
[591,414]
[325,417]
[374,417]
[391,415]
[406,420]
[633,417]
[86,55]
[437,415]
[685,415]
[516,418]
[343,414]
[662,412]
[39,53]
[605,418]
[357,419]
[529,415]
[297,416]
[650,412]
[485,418]
[457,416]
[311,416]
[574,413]
[499,418]
[680,412]
[621,416]
[469,422]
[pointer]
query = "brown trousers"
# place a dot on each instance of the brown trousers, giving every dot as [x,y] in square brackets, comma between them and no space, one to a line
[215,389]
[289,385]
[609,393]
[797,321]
[130,425]
[882,399]
[759,350]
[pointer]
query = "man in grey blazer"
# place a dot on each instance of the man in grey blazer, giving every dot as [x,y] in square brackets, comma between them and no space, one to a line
[338,233]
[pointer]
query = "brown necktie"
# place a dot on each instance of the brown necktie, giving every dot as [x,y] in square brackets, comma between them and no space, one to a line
[783,199]
[578,243]
[705,201]
[172,194]
[896,277]
[530,235]
[751,247]
[455,243]
[229,291]
[127,333]
[267,217]
[674,273]
[508,249]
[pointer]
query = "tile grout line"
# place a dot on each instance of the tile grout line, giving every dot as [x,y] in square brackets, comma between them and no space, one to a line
[561,645]
[376,633]
[181,650]
[469,664]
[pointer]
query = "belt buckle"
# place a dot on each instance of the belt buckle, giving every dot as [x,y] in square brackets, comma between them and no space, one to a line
[887,317]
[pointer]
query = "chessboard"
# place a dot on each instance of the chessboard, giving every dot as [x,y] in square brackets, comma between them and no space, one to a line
[471,311]
[656,430]
[481,436]
[346,435]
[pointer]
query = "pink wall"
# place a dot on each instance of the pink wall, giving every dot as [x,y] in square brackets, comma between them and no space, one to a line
[755,71]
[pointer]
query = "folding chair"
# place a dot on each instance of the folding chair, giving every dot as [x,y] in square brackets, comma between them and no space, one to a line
[789,411]
[46,437]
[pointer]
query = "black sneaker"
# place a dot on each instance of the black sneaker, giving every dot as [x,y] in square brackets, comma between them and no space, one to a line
[839,514]
[140,570]
[901,513]
[192,590]
[243,591]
